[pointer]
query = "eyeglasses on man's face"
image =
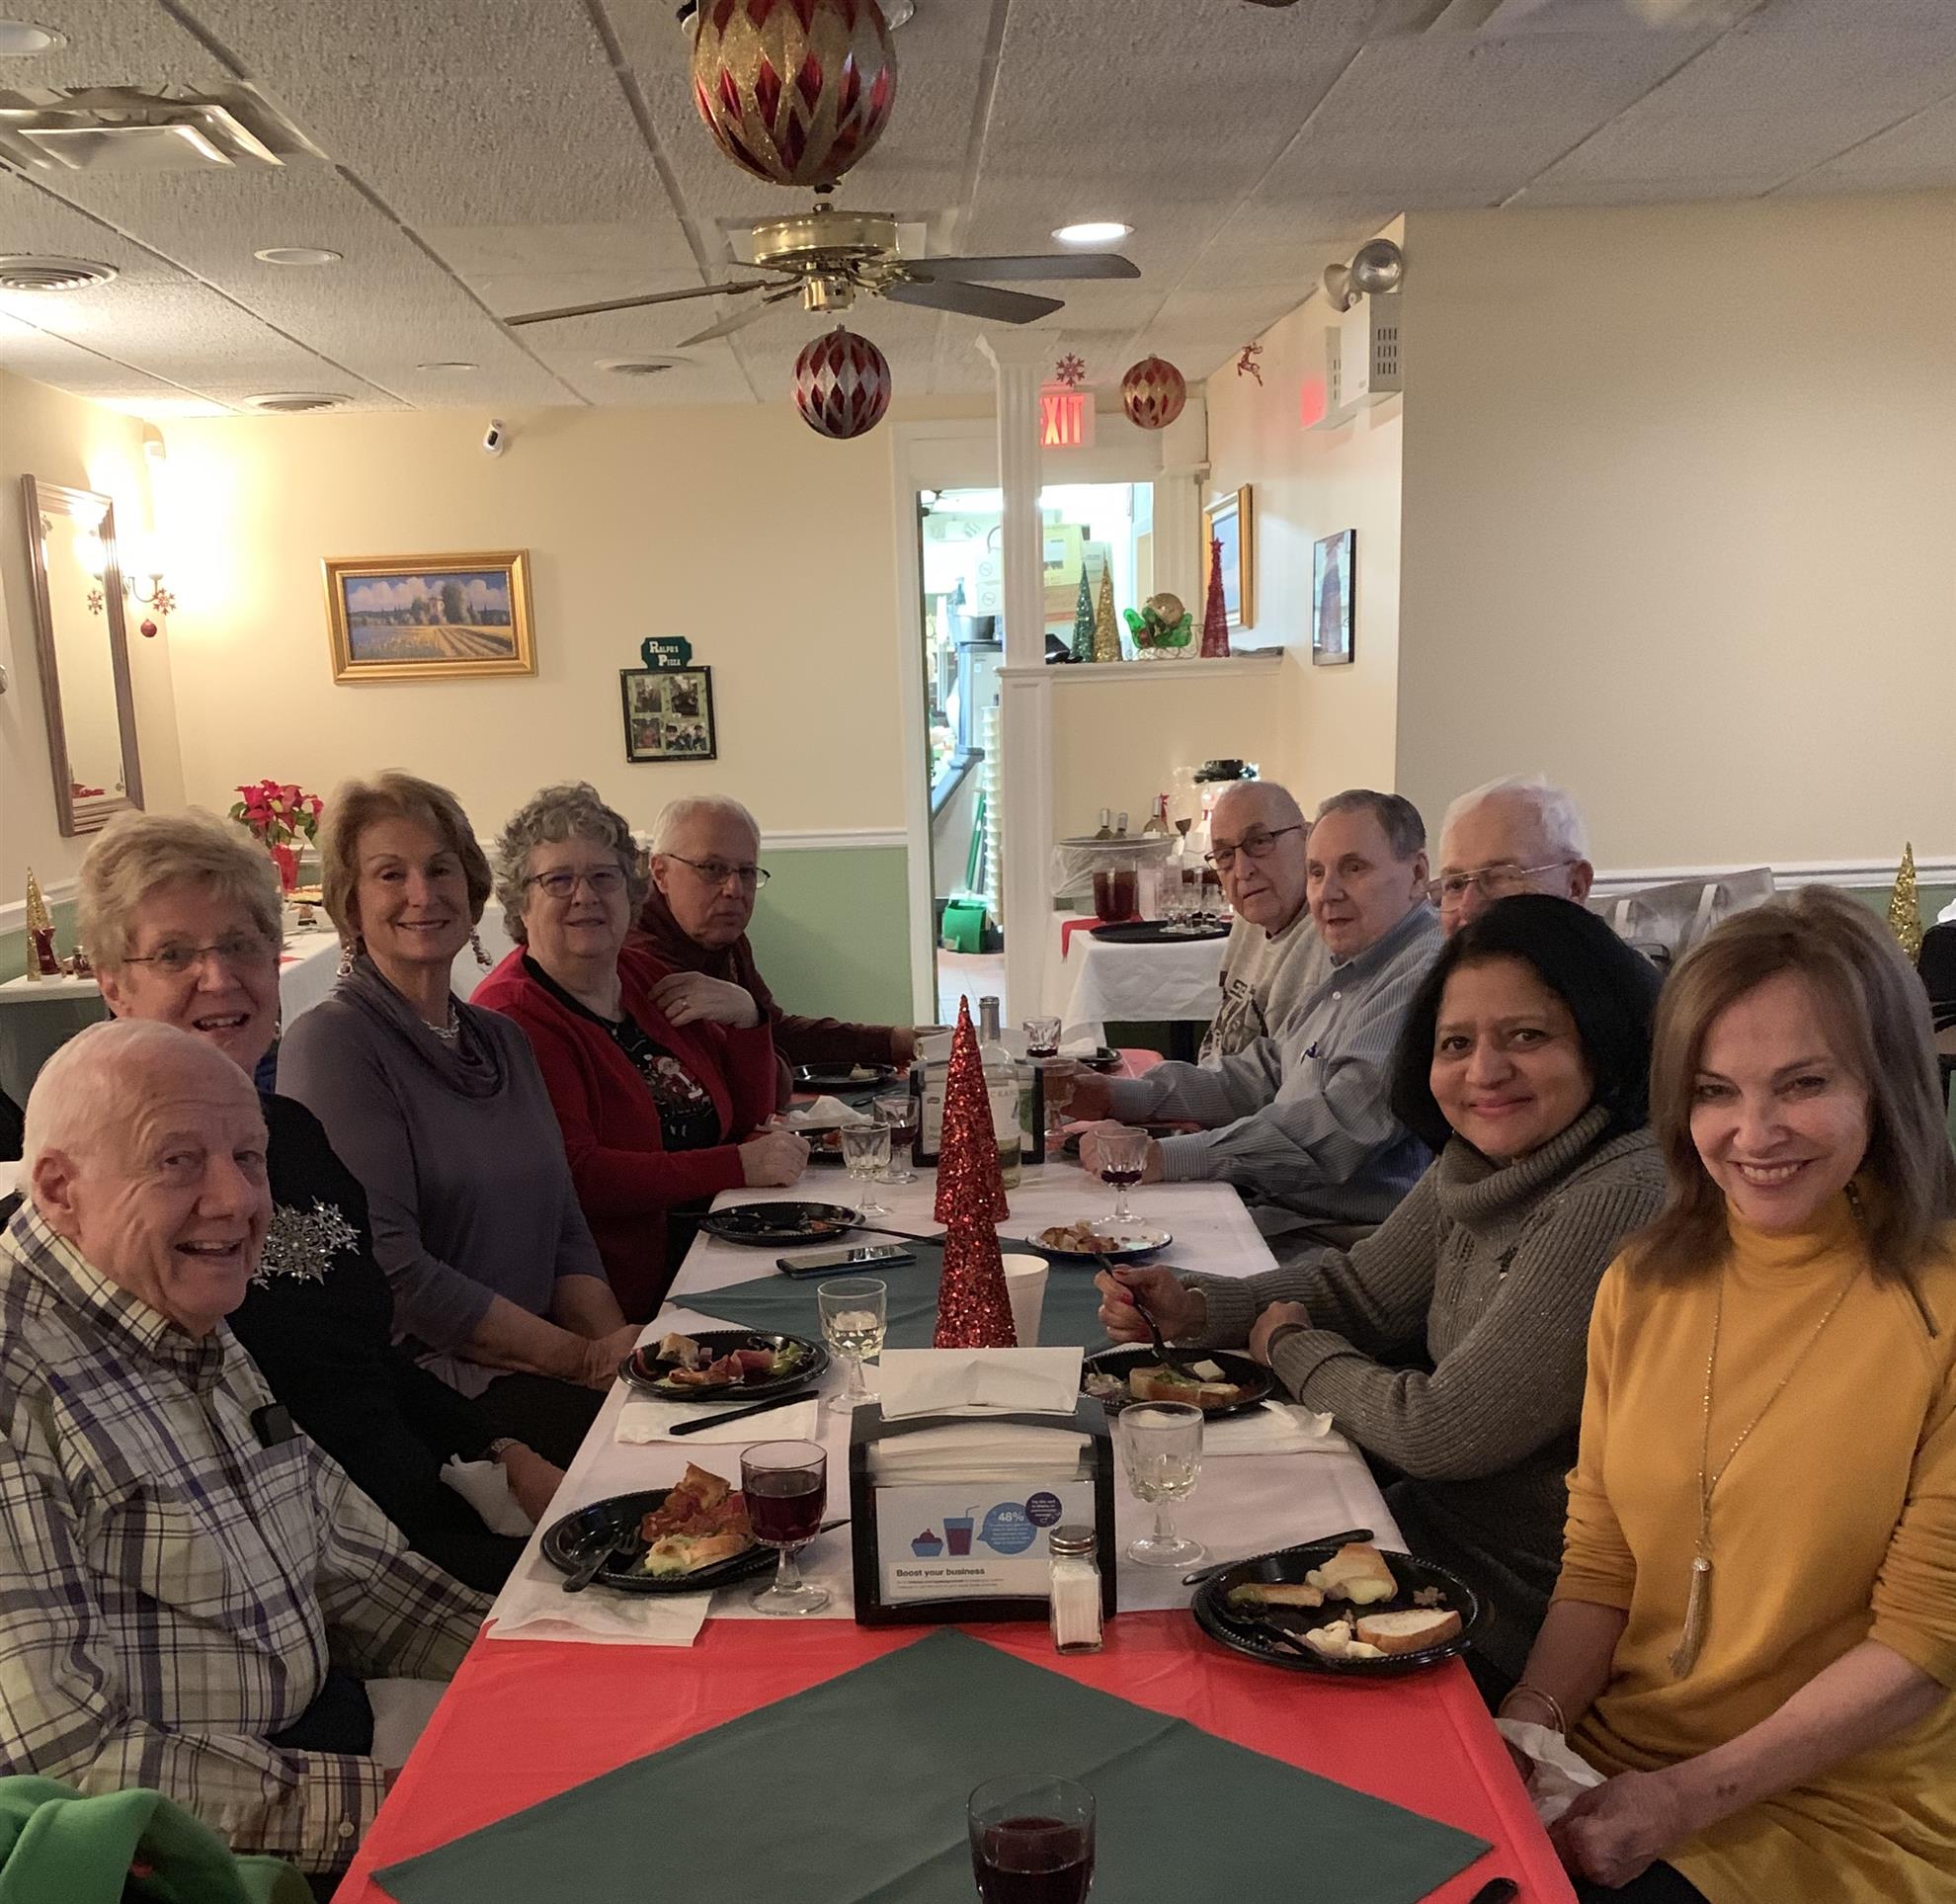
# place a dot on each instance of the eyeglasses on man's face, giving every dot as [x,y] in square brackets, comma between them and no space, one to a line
[1256,845]
[562,881]
[234,949]
[716,872]
[1499,881]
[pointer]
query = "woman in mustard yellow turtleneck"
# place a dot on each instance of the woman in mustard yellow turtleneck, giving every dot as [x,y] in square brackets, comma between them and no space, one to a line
[1754,1637]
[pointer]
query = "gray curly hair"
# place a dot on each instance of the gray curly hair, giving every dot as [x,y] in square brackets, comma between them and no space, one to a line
[570,810]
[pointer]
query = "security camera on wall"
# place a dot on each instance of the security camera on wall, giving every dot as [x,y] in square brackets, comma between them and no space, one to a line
[495,439]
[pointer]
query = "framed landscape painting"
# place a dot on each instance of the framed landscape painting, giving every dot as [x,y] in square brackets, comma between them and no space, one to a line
[429,618]
[1331,598]
[669,714]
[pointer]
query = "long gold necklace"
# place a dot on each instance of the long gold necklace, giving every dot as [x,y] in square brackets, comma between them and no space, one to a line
[1697,1608]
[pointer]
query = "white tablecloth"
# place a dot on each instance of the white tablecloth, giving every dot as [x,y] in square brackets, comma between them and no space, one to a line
[1244,1503]
[1092,982]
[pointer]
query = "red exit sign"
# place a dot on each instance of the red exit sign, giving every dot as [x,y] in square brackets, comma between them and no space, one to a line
[1066,418]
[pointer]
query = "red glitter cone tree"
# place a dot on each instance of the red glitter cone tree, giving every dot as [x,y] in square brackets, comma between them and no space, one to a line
[972,1308]
[1215,616]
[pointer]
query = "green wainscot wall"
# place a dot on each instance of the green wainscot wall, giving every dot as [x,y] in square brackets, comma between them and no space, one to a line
[831,932]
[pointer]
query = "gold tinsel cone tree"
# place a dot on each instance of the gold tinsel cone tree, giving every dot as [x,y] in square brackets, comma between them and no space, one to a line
[1107,630]
[1905,912]
[973,1311]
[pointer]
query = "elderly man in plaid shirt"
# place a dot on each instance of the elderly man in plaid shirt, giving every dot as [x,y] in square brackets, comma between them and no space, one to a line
[192,1595]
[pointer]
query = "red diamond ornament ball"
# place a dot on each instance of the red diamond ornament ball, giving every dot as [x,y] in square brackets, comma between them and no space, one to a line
[841,385]
[1153,392]
[793,91]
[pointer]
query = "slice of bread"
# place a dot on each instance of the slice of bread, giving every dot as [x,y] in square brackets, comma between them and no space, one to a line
[1408,1632]
[1275,1593]
[1357,1573]
[680,1554]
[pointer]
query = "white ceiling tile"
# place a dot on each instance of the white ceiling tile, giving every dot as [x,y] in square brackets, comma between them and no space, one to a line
[111,43]
[1920,154]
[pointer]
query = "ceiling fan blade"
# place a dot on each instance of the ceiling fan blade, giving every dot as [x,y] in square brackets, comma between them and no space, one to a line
[747,314]
[1051,265]
[632,303]
[971,301]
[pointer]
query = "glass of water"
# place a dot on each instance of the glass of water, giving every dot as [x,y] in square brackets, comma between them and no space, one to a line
[1161,1448]
[855,1311]
[865,1149]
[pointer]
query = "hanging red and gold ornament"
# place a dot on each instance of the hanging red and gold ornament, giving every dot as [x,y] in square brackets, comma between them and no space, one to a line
[1153,392]
[794,91]
[841,384]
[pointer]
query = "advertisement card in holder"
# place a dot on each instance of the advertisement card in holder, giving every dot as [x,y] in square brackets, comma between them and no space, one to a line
[939,1540]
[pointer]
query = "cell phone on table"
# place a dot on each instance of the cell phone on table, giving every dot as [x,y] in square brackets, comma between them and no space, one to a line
[864,1256]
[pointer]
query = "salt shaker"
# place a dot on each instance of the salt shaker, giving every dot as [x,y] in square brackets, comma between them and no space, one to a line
[1075,1590]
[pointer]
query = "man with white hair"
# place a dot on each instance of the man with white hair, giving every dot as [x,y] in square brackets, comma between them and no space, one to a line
[1512,835]
[191,1595]
[704,882]
[1259,845]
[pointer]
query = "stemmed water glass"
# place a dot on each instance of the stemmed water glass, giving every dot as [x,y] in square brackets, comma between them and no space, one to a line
[786,1485]
[853,1311]
[1161,1448]
[865,1149]
[1031,1839]
[1123,1162]
[900,1112]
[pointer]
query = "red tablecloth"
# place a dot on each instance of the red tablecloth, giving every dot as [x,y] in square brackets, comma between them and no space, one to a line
[526,1719]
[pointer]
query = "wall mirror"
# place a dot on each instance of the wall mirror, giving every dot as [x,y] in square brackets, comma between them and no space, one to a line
[84,654]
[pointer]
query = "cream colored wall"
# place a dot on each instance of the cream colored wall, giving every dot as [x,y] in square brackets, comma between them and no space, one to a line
[1333,727]
[66,440]
[1677,488]
[767,547]
[1117,741]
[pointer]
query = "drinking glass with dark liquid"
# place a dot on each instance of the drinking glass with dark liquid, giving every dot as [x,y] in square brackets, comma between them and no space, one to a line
[1124,1163]
[1032,1841]
[786,1485]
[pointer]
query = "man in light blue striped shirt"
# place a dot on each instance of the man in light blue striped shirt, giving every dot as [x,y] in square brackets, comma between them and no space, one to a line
[1299,1123]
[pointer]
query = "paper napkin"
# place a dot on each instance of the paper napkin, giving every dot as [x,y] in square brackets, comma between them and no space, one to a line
[933,1381]
[642,1420]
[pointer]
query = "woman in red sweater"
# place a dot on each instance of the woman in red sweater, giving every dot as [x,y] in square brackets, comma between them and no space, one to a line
[661,1079]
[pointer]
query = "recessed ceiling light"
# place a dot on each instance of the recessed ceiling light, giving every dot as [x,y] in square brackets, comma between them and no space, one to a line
[449,364]
[1096,231]
[296,255]
[23,38]
[21,271]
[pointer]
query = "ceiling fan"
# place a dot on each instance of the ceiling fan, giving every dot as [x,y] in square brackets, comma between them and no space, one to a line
[829,258]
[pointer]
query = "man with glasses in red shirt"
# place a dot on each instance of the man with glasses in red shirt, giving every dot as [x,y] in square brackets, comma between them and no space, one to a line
[1513,834]
[1257,836]
[706,876]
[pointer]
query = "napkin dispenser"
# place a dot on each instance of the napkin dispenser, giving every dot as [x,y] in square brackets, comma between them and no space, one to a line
[944,1545]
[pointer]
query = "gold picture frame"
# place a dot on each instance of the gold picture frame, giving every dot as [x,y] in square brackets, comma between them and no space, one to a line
[429,618]
[1231,520]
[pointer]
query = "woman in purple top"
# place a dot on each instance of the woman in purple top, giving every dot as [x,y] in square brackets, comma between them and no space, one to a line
[440,1110]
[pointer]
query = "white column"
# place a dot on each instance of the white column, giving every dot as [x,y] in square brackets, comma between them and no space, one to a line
[1024,715]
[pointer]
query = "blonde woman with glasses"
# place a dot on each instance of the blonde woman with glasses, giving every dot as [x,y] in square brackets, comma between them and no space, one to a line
[658,1112]
[1754,1635]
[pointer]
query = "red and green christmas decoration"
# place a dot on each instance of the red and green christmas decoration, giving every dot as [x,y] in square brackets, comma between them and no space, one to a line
[841,385]
[1215,613]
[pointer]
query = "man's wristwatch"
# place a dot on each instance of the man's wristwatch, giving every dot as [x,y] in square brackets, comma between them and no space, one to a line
[500,1446]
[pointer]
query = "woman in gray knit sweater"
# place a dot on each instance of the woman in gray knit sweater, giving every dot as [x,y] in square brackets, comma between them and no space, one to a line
[1450,1343]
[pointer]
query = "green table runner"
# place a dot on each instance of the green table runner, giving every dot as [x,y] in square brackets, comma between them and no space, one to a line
[855,1790]
[1070,1318]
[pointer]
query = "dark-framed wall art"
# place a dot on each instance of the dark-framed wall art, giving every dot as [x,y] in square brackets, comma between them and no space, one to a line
[669,714]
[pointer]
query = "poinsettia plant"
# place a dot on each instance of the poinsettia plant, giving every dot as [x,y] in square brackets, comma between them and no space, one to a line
[277,813]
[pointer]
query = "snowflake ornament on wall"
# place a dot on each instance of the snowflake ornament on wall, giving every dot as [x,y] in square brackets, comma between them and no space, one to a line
[1070,371]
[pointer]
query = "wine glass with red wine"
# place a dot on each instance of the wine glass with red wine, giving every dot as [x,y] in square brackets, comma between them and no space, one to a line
[1123,1162]
[1031,1839]
[787,1487]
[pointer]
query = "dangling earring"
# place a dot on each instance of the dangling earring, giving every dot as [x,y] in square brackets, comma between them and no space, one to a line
[346,958]
[482,958]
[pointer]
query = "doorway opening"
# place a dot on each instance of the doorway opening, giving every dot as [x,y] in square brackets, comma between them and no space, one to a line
[1087,528]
